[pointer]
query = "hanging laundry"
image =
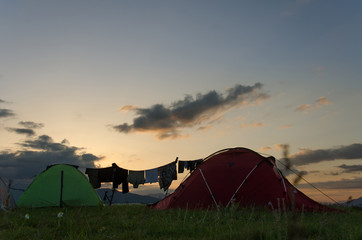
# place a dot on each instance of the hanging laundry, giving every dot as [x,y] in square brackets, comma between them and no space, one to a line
[181,166]
[93,177]
[198,162]
[120,177]
[136,178]
[186,164]
[166,175]
[151,175]
[113,174]
[191,165]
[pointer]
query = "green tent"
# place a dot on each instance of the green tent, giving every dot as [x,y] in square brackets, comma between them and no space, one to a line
[59,185]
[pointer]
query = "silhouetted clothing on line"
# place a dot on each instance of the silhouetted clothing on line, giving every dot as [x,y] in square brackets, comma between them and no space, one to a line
[113,174]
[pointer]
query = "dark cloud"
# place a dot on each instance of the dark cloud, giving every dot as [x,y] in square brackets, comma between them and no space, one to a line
[189,112]
[25,131]
[28,130]
[306,156]
[38,154]
[351,168]
[341,184]
[6,113]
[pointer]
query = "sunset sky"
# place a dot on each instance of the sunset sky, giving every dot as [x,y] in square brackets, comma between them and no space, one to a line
[139,83]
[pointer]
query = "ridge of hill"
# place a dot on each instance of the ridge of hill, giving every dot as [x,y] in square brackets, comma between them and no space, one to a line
[354,203]
[125,198]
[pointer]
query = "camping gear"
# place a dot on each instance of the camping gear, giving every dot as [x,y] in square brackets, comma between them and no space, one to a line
[237,176]
[58,186]
[6,200]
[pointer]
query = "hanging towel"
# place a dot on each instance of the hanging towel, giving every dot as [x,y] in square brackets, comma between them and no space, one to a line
[136,178]
[151,175]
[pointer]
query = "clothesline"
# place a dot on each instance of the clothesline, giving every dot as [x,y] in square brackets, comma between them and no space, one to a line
[164,175]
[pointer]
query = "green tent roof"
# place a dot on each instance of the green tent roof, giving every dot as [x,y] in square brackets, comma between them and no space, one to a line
[59,185]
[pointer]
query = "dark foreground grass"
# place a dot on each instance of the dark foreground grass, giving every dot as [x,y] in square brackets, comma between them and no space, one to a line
[141,222]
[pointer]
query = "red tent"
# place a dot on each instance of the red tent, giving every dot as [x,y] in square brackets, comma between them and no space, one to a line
[237,175]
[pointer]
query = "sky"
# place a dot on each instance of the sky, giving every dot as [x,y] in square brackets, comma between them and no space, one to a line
[139,83]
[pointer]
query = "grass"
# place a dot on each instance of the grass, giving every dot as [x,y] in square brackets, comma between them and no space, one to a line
[141,222]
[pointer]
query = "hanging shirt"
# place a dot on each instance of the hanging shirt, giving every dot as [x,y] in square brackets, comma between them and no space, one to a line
[166,175]
[151,175]
[136,178]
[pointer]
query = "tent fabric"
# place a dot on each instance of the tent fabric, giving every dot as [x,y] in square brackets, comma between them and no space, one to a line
[6,199]
[60,185]
[237,175]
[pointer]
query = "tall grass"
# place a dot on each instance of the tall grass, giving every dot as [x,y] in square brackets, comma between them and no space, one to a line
[141,222]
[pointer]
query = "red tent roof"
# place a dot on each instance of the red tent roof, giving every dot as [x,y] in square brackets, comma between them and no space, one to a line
[237,175]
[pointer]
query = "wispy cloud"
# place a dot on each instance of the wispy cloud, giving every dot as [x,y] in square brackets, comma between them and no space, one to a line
[28,130]
[306,108]
[307,156]
[285,126]
[321,101]
[303,108]
[5,112]
[265,148]
[24,131]
[253,125]
[31,125]
[351,168]
[355,183]
[38,154]
[167,121]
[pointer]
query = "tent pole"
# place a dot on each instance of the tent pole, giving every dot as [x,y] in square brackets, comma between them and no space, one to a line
[207,185]
[242,183]
[280,174]
[61,189]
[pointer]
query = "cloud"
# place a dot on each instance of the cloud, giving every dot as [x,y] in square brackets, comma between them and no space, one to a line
[6,113]
[28,130]
[306,108]
[341,184]
[38,153]
[190,111]
[307,156]
[253,125]
[321,101]
[303,108]
[266,148]
[128,108]
[25,131]
[351,168]
[285,126]
[32,125]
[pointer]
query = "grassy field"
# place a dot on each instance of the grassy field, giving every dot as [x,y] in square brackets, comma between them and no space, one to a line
[141,222]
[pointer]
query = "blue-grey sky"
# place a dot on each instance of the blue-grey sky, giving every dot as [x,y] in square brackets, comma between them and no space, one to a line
[140,83]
